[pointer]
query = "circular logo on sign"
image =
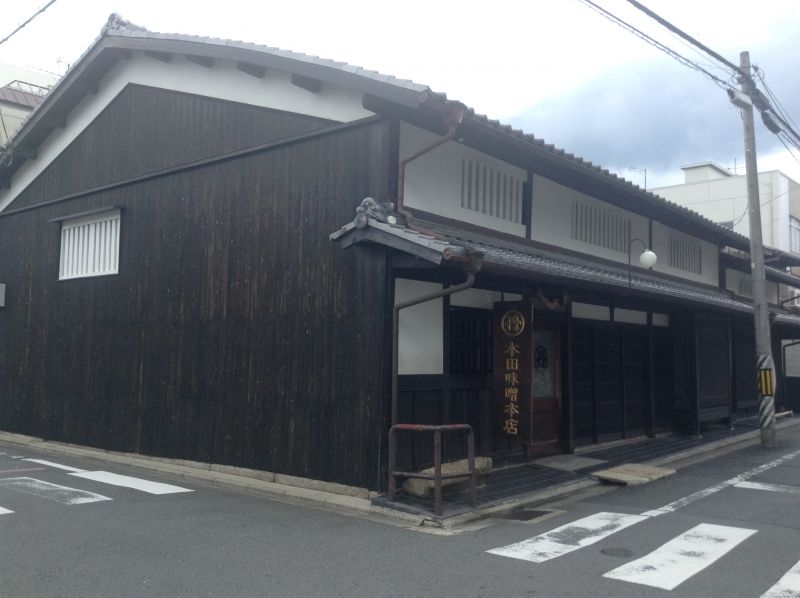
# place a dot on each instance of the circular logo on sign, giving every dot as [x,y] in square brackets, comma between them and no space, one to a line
[513,323]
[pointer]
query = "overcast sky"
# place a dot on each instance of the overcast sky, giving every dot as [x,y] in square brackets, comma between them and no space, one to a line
[554,68]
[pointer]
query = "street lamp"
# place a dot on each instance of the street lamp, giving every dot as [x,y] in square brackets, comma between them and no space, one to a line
[647,259]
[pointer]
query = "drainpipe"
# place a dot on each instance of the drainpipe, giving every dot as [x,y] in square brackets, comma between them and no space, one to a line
[471,268]
[452,114]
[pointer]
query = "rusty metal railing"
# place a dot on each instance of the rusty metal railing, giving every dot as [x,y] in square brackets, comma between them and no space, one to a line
[437,475]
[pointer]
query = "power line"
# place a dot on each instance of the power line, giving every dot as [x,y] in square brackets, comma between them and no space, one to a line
[31,18]
[686,36]
[654,42]
[782,111]
[776,119]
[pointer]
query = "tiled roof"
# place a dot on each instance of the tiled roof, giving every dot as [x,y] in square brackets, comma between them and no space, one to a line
[525,261]
[391,88]
[120,28]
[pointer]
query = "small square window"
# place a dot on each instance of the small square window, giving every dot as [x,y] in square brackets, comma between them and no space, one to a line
[90,246]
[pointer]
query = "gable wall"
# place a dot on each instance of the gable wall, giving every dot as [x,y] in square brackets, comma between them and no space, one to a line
[147,129]
[223,81]
[235,331]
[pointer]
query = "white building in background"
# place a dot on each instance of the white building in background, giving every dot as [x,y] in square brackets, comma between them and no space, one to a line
[21,90]
[720,195]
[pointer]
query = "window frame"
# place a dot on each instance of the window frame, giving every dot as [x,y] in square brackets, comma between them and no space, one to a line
[99,252]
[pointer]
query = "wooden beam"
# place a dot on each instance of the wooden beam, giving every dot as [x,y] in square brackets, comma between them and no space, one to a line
[252,69]
[162,56]
[201,60]
[307,83]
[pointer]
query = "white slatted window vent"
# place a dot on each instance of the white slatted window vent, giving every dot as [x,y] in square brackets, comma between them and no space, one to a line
[90,246]
[745,287]
[491,191]
[685,254]
[600,226]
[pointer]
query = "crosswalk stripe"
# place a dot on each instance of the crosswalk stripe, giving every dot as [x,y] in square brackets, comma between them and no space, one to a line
[51,464]
[63,494]
[768,487]
[569,537]
[788,586]
[115,479]
[679,559]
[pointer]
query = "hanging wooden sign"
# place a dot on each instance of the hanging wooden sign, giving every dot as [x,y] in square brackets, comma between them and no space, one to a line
[512,371]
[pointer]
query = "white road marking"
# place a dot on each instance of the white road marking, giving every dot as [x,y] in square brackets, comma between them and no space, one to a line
[56,465]
[788,586]
[4,511]
[106,477]
[589,530]
[567,538]
[679,559]
[62,494]
[768,487]
[682,502]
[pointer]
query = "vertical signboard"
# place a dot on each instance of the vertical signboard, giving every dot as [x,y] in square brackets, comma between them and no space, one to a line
[511,372]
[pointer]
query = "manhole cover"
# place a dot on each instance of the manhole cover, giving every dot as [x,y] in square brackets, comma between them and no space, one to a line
[525,515]
[620,552]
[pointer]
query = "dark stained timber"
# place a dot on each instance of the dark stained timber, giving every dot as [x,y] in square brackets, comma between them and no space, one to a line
[235,331]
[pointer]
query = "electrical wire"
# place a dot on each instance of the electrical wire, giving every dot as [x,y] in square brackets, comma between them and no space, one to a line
[662,21]
[654,42]
[31,18]
[781,110]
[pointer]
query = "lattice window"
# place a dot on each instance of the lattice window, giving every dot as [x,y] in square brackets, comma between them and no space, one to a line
[90,246]
[685,253]
[491,191]
[745,287]
[600,226]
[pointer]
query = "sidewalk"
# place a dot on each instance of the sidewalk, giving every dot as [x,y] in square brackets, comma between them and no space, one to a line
[550,478]
[507,489]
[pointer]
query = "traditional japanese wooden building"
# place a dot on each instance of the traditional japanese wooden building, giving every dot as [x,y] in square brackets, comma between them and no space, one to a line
[193,269]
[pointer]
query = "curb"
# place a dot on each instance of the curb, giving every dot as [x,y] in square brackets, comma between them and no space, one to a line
[351,502]
[203,472]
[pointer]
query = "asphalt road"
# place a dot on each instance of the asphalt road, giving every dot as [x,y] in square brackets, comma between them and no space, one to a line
[77,527]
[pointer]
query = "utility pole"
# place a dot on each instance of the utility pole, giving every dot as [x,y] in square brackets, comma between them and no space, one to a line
[765,363]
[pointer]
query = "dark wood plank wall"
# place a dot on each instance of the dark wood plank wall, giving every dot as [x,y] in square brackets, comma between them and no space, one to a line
[145,129]
[235,332]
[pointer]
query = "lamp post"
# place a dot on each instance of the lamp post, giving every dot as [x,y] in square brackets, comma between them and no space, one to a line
[647,258]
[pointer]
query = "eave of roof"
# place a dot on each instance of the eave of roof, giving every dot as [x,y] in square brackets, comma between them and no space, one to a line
[119,38]
[523,262]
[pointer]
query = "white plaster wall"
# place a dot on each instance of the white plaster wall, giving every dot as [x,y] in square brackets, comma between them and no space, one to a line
[792,363]
[421,329]
[222,81]
[552,220]
[725,199]
[661,320]
[732,278]
[481,299]
[630,316]
[589,311]
[433,181]
[709,254]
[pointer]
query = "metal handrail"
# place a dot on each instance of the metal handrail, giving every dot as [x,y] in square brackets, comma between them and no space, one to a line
[437,475]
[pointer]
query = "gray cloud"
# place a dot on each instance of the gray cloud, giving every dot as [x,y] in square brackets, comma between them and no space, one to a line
[660,115]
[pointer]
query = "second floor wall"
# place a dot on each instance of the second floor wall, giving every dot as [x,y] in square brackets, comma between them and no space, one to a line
[457,182]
